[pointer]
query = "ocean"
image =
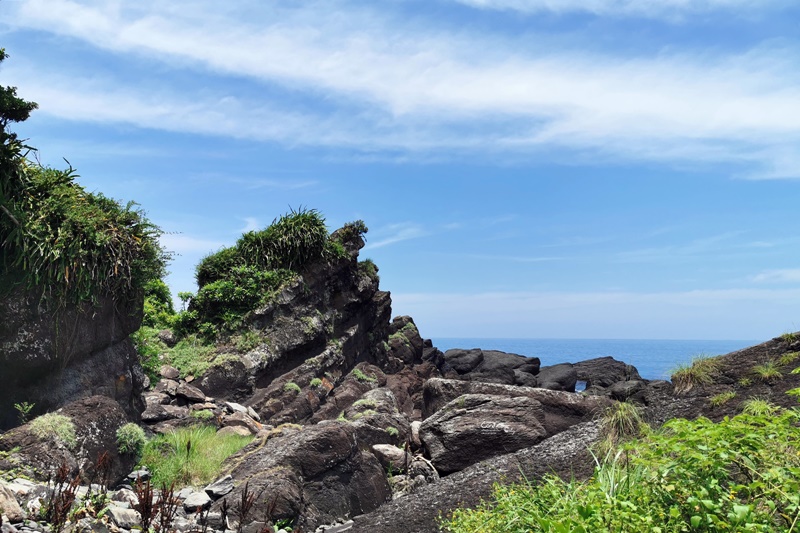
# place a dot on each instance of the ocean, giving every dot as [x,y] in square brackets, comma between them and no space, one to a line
[655,359]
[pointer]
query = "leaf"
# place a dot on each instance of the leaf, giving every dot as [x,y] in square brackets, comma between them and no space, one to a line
[695,521]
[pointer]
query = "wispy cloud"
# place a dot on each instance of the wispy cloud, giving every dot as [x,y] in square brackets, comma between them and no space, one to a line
[409,86]
[787,275]
[181,243]
[395,233]
[702,246]
[647,8]
[251,224]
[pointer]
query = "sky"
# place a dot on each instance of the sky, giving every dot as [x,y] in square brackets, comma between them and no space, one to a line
[526,168]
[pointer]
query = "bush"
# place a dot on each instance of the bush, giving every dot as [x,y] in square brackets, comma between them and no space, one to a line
[767,371]
[316,382]
[291,387]
[190,456]
[55,427]
[701,371]
[362,377]
[158,309]
[131,439]
[620,422]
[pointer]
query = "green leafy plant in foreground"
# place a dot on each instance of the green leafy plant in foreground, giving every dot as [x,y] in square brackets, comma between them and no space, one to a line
[740,474]
[189,455]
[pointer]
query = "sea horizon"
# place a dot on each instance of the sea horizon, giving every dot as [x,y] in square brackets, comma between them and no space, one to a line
[653,358]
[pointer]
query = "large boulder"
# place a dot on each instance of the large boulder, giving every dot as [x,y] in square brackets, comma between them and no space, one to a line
[52,355]
[558,377]
[490,366]
[474,427]
[561,409]
[314,475]
[95,420]
[605,371]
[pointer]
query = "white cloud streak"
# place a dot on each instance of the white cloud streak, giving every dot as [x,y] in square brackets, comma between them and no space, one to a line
[646,8]
[395,233]
[787,275]
[181,243]
[401,87]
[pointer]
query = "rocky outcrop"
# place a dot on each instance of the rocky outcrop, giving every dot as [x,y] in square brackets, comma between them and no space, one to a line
[38,455]
[605,371]
[561,409]
[491,366]
[474,427]
[558,377]
[313,475]
[52,355]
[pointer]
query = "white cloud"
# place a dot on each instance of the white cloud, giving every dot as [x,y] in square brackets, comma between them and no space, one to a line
[399,86]
[395,233]
[181,243]
[787,275]
[647,8]
[251,224]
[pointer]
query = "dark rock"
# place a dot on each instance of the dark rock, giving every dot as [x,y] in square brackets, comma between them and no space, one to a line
[167,386]
[190,393]
[158,413]
[143,474]
[605,371]
[561,377]
[196,501]
[317,474]
[623,390]
[377,419]
[490,366]
[168,337]
[565,455]
[561,409]
[474,427]
[52,357]
[220,487]
[525,379]
[96,420]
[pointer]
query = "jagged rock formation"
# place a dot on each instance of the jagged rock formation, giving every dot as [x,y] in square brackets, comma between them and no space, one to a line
[52,356]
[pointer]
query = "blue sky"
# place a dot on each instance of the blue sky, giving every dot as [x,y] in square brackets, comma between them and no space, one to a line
[527,168]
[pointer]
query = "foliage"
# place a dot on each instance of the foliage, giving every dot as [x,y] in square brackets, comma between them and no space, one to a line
[392,431]
[190,455]
[767,371]
[247,340]
[788,358]
[701,371]
[722,398]
[368,267]
[191,355]
[23,411]
[694,476]
[744,381]
[620,422]
[131,439]
[56,427]
[316,382]
[362,377]
[291,387]
[158,309]
[790,337]
[204,415]
[759,407]
[364,402]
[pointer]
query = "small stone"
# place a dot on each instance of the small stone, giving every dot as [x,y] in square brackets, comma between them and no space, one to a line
[124,518]
[184,493]
[190,393]
[195,501]
[220,487]
[169,372]
[234,430]
[168,337]
[9,505]
[142,474]
[167,385]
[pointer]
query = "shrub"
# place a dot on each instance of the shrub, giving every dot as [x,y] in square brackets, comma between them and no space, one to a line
[55,427]
[291,387]
[190,455]
[620,422]
[131,439]
[701,371]
[392,431]
[722,398]
[759,407]
[365,403]
[204,415]
[158,309]
[368,267]
[745,381]
[767,371]
[316,382]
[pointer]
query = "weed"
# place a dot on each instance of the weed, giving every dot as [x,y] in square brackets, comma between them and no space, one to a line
[767,371]
[795,371]
[248,340]
[368,267]
[368,412]
[61,497]
[364,402]
[55,427]
[788,358]
[392,431]
[362,377]
[131,439]
[203,415]
[342,418]
[316,382]
[620,422]
[745,381]
[795,393]
[292,387]
[722,398]
[790,337]
[23,411]
[190,455]
[759,407]
[701,371]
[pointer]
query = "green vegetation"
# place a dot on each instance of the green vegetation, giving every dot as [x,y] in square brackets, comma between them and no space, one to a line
[722,398]
[789,337]
[204,415]
[23,411]
[59,240]
[767,371]
[795,371]
[158,310]
[55,427]
[316,382]
[131,439]
[700,372]
[292,387]
[788,358]
[392,431]
[365,403]
[190,456]
[620,422]
[192,355]
[745,381]
[368,267]
[362,377]
[692,476]
[759,407]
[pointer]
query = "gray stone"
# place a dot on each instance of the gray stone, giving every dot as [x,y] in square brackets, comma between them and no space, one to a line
[9,505]
[123,518]
[190,393]
[141,474]
[195,501]
[169,372]
[391,457]
[220,487]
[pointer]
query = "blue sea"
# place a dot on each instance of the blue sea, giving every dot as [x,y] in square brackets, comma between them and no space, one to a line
[653,358]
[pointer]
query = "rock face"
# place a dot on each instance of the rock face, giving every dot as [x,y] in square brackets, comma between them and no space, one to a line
[314,475]
[491,366]
[96,420]
[474,427]
[605,371]
[52,357]
[561,409]
[558,377]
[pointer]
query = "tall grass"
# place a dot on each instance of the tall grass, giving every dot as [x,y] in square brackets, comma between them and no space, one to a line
[190,456]
[701,371]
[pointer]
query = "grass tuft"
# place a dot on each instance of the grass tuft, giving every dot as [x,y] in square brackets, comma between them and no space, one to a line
[722,398]
[701,371]
[56,427]
[767,371]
